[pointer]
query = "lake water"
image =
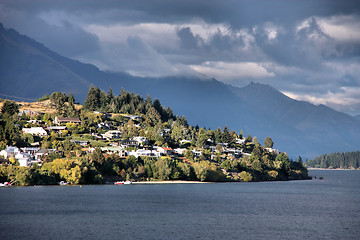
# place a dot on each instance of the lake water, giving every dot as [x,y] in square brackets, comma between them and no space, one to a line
[312,209]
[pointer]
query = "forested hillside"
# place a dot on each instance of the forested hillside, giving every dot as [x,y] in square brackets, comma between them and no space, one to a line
[127,137]
[348,160]
[126,102]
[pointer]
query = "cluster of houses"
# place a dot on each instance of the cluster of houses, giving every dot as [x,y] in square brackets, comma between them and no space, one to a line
[26,156]
[137,146]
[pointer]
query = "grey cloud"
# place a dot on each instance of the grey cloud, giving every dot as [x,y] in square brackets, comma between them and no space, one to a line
[349,81]
[67,39]
[135,57]
[237,13]
[290,49]
[188,41]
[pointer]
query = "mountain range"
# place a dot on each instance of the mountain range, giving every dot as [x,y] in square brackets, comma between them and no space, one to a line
[30,70]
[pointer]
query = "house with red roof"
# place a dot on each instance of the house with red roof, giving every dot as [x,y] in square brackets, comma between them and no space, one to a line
[165,151]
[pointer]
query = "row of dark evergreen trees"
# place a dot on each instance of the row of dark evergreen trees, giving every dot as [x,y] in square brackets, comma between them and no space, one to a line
[346,160]
[126,102]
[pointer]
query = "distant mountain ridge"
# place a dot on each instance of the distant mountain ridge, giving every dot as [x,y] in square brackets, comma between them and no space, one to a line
[29,69]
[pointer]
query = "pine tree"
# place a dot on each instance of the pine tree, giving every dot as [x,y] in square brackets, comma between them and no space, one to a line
[226,137]
[92,101]
[9,108]
[268,143]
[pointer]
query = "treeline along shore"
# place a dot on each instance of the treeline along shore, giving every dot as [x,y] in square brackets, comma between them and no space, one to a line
[126,137]
[340,160]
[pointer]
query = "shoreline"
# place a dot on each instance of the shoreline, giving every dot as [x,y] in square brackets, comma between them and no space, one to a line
[333,169]
[170,182]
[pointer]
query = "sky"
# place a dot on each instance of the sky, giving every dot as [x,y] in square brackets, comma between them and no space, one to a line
[309,50]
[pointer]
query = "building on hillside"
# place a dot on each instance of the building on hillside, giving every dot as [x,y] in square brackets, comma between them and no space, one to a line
[114,150]
[9,152]
[144,153]
[128,143]
[180,151]
[80,142]
[38,131]
[24,159]
[233,152]
[223,144]
[62,120]
[134,117]
[39,155]
[184,141]
[209,141]
[57,129]
[105,125]
[105,114]
[197,153]
[240,140]
[165,151]
[30,150]
[272,150]
[35,121]
[113,134]
[141,140]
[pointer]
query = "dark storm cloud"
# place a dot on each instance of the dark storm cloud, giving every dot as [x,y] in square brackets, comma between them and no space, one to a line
[236,13]
[300,47]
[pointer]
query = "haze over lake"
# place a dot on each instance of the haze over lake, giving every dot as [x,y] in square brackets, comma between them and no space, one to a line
[310,209]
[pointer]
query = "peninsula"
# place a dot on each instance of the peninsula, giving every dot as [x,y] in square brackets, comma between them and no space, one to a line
[126,137]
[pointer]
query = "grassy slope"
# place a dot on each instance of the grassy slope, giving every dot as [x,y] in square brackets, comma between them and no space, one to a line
[43,106]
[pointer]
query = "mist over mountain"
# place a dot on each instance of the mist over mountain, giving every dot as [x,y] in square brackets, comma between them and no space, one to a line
[30,70]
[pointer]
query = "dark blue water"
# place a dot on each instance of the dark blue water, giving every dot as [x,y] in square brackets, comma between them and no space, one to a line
[313,209]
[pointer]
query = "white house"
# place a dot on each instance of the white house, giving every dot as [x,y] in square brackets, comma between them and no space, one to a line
[79,142]
[24,159]
[57,129]
[61,120]
[105,125]
[30,150]
[272,150]
[240,140]
[180,150]
[134,117]
[196,153]
[9,152]
[140,140]
[234,152]
[143,153]
[35,121]
[39,131]
[184,141]
[165,150]
[112,134]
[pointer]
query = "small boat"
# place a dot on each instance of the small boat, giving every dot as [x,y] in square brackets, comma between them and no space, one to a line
[122,182]
[63,183]
[5,184]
